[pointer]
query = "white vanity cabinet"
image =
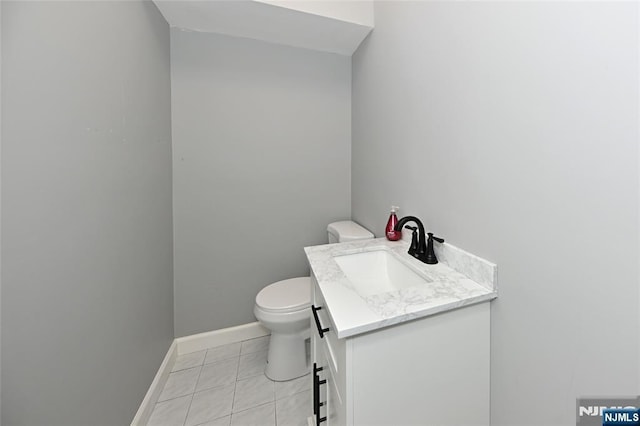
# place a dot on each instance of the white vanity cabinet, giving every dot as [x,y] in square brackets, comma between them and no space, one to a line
[432,370]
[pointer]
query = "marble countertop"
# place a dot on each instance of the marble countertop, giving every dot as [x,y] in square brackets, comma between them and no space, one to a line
[459,279]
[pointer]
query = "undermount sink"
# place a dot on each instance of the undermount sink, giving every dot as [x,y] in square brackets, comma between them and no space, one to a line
[378,271]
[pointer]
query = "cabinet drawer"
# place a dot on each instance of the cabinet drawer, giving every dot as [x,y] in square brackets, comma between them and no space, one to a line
[324,328]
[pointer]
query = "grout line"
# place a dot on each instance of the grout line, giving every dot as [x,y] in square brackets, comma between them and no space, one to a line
[221,359]
[184,422]
[255,406]
[275,406]
[192,396]
[295,393]
[235,387]
[194,366]
[254,351]
[174,372]
[233,400]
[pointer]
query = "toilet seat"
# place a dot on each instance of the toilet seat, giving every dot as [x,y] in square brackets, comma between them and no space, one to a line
[284,296]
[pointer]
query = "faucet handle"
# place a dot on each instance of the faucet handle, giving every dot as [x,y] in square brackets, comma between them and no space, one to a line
[414,239]
[431,237]
[430,257]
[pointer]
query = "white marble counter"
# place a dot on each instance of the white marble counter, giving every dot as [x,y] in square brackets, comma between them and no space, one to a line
[459,279]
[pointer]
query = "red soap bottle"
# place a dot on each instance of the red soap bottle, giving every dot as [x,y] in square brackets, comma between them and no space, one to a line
[390,232]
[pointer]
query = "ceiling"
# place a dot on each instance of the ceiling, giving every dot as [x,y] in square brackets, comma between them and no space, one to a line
[328,26]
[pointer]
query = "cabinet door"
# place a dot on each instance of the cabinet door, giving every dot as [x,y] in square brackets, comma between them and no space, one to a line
[433,371]
[328,406]
[335,406]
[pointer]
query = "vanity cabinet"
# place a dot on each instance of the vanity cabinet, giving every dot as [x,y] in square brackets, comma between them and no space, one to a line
[432,370]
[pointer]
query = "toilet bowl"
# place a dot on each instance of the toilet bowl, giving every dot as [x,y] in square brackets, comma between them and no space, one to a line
[283,308]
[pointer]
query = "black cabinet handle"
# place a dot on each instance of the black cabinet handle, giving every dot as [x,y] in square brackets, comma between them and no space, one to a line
[316,394]
[316,389]
[321,330]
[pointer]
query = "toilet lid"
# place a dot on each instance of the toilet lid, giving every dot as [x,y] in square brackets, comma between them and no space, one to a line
[285,296]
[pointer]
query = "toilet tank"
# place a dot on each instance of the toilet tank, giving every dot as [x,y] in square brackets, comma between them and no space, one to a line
[346,230]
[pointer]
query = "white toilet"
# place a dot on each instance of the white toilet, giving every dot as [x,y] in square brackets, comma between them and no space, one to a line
[283,308]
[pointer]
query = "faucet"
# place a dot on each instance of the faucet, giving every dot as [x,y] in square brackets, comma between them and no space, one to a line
[420,249]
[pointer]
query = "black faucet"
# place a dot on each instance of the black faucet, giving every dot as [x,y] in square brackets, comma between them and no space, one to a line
[420,249]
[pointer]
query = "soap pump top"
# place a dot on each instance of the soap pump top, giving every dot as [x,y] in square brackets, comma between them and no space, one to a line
[390,231]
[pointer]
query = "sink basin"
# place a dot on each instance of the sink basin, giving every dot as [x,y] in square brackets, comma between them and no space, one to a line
[376,272]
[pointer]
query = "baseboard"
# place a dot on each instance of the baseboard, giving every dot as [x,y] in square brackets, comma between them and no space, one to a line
[149,401]
[188,344]
[210,339]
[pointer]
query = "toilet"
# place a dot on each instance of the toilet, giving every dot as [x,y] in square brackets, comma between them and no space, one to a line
[283,308]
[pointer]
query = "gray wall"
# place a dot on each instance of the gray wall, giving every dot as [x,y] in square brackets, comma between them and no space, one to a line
[86,210]
[511,129]
[261,165]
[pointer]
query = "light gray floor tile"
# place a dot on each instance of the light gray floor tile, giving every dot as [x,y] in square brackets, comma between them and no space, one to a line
[251,392]
[219,353]
[223,421]
[210,404]
[264,415]
[252,364]
[258,344]
[191,360]
[170,413]
[218,374]
[180,383]
[291,387]
[217,394]
[294,410]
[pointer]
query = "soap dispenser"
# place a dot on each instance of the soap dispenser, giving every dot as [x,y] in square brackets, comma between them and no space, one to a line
[390,231]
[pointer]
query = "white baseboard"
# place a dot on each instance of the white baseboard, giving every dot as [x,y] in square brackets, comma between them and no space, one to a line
[188,344]
[149,401]
[210,339]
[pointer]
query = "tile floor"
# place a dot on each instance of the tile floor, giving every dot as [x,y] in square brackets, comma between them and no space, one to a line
[226,386]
